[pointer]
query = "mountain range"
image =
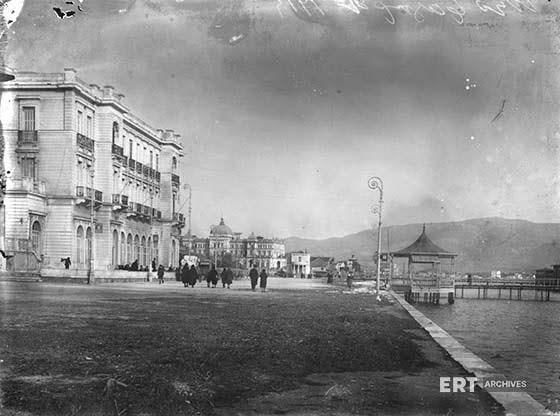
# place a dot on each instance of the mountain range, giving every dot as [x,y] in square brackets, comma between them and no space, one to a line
[482,244]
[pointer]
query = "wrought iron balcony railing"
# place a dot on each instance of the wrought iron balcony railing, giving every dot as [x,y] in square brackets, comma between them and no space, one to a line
[139,167]
[147,171]
[85,142]
[146,210]
[117,150]
[87,193]
[175,178]
[124,200]
[29,137]
[138,208]
[116,199]
[131,163]
[158,176]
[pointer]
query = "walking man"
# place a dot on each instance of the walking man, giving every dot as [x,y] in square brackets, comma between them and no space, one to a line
[193,276]
[264,278]
[254,276]
[160,273]
[212,277]
[185,275]
[228,277]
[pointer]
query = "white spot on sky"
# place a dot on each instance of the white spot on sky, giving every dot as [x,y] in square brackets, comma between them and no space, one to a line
[468,80]
[467,87]
[532,61]
[472,137]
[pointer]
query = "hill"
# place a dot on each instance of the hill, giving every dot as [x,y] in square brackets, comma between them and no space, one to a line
[482,244]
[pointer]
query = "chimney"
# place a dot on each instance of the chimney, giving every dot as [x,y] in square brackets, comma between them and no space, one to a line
[70,74]
[108,91]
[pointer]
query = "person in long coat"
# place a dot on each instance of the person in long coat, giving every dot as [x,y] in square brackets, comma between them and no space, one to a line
[193,276]
[223,276]
[212,277]
[254,276]
[264,278]
[185,275]
[228,277]
[160,273]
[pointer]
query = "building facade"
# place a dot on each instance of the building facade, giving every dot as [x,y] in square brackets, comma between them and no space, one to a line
[265,253]
[86,179]
[299,263]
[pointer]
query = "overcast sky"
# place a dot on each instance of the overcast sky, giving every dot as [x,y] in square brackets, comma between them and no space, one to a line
[287,108]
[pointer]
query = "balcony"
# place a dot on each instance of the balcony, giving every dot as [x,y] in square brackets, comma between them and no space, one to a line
[85,144]
[117,150]
[175,179]
[147,170]
[131,164]
[139,167]
[85,195]
[159,215]
[179,219]
[158,176]
[26,184]
[138,208]
[146,210]
[28,138]
[120,202]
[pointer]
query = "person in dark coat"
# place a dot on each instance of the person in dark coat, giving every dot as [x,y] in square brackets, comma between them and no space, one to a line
[254,276]
[154,265]
[160,273]
[66,262]
[134,266]
[185,275]
[223,276]
[227,280]
[193,276]
[264,278]
[212,277]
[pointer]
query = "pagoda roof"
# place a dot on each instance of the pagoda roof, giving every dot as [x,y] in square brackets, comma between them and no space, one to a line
[423,246]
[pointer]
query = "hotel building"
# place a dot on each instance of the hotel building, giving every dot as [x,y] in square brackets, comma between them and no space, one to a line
[85,179]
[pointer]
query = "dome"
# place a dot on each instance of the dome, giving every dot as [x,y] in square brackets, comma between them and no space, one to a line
[221,229]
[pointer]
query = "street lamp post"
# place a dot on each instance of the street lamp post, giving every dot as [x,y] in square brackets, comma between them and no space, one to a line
[376,183]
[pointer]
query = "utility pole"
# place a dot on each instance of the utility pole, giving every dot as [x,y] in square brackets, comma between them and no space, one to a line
[151,232]
[90,277]
[376,183]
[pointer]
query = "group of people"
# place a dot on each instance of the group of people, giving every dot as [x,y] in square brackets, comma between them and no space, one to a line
[190,276]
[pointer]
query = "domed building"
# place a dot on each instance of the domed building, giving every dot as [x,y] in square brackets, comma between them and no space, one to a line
[244,252]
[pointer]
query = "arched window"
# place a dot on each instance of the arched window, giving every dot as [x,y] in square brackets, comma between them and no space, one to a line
[129,252]
[150,253]
[36,237]
[115,251]
[115,132]
[122,258]
[80,245]
[143,246]
[173,258]
[156,248]
[174,164]
[137,248]
[89,245]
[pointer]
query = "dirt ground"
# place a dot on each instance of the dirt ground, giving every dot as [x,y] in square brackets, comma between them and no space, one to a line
[146,349]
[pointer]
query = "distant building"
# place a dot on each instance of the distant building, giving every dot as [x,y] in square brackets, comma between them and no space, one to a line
[299,263]
[320,265]
[224,245]
[548,277]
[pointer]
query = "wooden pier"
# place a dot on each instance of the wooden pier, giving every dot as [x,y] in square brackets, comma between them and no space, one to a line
[505,291]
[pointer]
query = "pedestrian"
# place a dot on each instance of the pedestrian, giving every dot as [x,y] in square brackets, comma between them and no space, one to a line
[185,275]
[193,276]
[66,262]
[344,276]
[254,276]
[223,276]
[212,277]
[160,273]
[229,277]
[264,278]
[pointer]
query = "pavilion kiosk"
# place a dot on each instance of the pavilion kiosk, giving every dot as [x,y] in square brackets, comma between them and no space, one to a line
[429,271]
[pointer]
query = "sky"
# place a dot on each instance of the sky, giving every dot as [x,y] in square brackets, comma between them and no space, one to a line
[288,107]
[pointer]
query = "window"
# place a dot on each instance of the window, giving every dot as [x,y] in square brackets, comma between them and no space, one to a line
[145,155]
[156,252]
[130,148]
[151,159]
[89,127]
[174,164]
[36,237]
[89,245]
[137,248]
[28,118]
[123,249]
[80,245]
[174,201]
[157,162]
[115,252]
[115,132]
[143,245]
[28,167]
[138,151]
[129,253]
[80,122]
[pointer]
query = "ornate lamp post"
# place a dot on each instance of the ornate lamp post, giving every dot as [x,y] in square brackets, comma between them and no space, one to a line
[376,183]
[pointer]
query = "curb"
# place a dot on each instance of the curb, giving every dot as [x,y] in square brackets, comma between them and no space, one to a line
[514,403]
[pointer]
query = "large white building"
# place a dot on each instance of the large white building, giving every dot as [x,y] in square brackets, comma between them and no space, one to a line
[86,178]
[264,253]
